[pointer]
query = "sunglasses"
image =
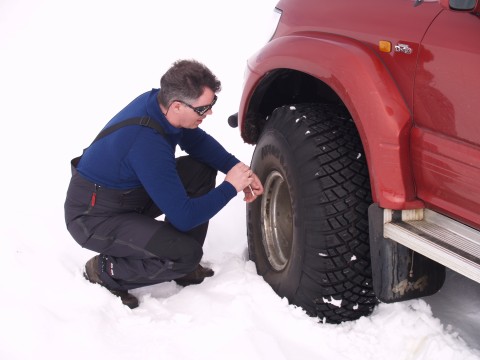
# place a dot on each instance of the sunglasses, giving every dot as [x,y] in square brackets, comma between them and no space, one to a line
[200,110]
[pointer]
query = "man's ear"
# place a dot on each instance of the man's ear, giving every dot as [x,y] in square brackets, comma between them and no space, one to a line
[176,106]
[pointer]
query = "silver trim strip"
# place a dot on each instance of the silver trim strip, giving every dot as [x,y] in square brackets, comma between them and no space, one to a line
[440,238]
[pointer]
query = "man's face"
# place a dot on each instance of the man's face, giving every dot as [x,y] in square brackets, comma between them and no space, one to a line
[189,118]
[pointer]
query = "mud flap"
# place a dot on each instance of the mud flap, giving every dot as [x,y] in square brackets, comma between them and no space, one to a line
[399,273]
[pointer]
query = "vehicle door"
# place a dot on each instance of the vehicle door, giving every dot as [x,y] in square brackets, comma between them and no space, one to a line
[445,143]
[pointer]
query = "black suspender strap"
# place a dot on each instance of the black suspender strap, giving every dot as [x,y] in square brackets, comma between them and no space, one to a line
[143,120]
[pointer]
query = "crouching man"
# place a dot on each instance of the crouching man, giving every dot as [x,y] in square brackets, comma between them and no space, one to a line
[129,176]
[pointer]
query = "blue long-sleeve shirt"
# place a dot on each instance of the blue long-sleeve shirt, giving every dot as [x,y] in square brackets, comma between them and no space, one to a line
[138,156]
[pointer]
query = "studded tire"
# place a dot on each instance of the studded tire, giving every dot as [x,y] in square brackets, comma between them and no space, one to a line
[308,233]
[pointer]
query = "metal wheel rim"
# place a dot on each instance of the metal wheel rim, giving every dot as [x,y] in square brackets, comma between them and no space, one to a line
[276,218]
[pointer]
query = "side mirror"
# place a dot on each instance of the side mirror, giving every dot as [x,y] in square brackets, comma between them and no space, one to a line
[462,5]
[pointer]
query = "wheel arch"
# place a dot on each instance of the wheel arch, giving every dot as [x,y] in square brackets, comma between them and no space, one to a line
[309,68]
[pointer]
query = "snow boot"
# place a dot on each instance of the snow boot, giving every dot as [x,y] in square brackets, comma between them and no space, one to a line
[195,277]
[92,274]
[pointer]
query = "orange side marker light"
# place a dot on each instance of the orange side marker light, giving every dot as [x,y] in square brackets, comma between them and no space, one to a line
[385,46]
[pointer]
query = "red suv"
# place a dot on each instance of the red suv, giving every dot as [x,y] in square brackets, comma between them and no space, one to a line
[367,139]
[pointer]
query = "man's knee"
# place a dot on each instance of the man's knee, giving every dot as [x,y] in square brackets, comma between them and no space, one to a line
[197,178]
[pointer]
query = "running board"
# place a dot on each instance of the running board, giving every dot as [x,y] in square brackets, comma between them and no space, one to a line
[437,237]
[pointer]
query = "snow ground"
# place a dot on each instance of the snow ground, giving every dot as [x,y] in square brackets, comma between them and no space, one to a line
[65,69]
[457,305]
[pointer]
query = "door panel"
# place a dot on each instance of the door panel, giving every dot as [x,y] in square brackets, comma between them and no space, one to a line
[446,135]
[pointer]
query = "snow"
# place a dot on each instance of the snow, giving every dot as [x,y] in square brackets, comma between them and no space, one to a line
[65,69]
[333,301]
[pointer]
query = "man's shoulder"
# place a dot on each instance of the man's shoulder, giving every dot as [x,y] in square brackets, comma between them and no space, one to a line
[138,107]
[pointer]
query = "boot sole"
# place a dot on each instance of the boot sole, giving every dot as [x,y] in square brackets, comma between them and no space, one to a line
[131,302]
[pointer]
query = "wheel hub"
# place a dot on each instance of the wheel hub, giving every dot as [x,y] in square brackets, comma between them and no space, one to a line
[276,217]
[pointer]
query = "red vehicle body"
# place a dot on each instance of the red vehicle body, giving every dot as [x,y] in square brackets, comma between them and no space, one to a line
[407,75]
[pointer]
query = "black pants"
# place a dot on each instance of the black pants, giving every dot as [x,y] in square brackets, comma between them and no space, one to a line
[136,249]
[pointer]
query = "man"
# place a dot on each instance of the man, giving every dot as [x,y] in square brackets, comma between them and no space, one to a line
[129,176]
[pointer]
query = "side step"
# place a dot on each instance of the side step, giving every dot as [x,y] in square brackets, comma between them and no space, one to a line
[437,237]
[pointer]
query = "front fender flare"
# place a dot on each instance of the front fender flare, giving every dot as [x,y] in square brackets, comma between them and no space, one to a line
[358,76]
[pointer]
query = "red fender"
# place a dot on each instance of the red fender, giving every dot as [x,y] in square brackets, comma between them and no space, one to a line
[360,79]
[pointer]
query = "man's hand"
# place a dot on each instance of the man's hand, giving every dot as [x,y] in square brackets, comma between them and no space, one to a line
[243,178]
[253,190]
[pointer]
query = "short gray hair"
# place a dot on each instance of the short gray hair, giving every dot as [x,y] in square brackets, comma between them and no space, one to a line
[185,81]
